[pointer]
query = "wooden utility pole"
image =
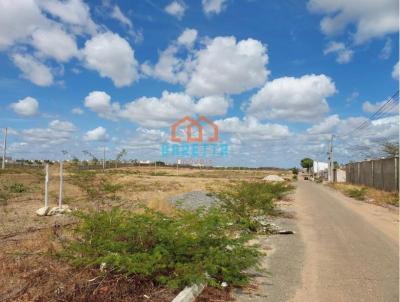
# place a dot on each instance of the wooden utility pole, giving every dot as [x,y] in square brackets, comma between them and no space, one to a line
[3,163]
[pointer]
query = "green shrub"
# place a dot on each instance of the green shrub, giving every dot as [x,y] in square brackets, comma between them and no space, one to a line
[246,200]
[358,194]
[97,188]
[17,188]
[111,188]
[188,248]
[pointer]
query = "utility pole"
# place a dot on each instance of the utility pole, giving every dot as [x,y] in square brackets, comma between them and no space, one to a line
[330,161]
[3,163]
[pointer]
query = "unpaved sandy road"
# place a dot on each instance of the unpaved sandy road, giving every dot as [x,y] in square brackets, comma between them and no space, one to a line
[351,248]
[343,250]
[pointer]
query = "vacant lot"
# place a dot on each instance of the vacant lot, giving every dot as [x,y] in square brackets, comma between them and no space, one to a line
[31,272]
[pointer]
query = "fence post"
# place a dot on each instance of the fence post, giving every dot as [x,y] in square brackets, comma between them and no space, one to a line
[60,197]
[46,187]
[383,176]
[358,173]
[396,177]
[372,171]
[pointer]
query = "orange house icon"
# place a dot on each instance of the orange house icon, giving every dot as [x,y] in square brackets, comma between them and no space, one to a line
[191,127]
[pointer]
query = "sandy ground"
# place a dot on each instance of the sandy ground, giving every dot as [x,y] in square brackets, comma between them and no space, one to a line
[27,241]
[343,250]
[351,248]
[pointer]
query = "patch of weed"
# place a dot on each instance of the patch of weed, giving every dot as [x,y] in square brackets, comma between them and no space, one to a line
[190,247]
[356,193]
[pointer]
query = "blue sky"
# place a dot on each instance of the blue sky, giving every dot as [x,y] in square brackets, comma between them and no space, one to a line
[278,77]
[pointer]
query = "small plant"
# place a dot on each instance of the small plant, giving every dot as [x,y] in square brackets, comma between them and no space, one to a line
[246,200]
[17,188]
[358,194]
[176,251]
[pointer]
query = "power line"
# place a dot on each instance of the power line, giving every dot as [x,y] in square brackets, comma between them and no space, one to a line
[385,108]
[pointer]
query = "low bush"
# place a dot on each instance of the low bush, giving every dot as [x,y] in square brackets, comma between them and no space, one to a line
[96,186]
[356,193]
[191,247]
[246,200]
[17,188]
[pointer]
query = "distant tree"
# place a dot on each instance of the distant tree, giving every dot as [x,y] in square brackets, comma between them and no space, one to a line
[120,155]
[295,171]
[94,159]
[307,163]
[75,160]
[336,165]
[390,149]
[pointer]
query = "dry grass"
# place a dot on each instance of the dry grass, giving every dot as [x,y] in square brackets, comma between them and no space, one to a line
[30,272]
[368,194]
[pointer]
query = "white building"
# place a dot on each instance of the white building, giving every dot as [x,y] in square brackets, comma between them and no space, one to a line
[319,166]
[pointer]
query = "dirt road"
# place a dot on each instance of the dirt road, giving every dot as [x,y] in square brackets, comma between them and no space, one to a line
[343,250]
[351,248]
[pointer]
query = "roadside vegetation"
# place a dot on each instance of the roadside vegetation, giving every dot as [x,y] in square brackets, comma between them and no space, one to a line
[205,246]
[368,194]
[190,247]
[245,202]
[116,247]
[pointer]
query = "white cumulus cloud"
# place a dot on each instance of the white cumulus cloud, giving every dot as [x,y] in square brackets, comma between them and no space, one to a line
[28,106]
[57,132]
[156,112]
[73,12]
[97,134]
[33,70]
[176,9]
[18,19]
[213,6]
[371,18]
[293,99]
[100,102]
[326,126]
[228,66]
[218,66]
[112,57]
[344,54]
[373,107]
[250,128]
[55,43]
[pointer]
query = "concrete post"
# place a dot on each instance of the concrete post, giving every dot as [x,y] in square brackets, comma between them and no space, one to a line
[396,175]
[372,171]
[3,163]
[46,187]
[60,197]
